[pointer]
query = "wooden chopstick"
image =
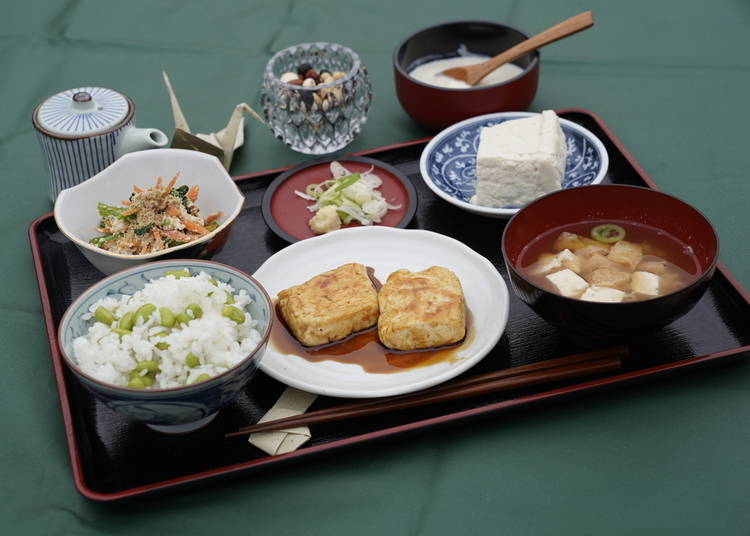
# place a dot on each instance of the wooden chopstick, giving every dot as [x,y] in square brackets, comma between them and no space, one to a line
[549,371]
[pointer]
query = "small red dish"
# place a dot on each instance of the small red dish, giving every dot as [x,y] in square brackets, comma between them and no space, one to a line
[286,213]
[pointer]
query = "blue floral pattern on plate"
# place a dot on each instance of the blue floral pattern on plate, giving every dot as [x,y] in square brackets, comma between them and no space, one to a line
[451,160]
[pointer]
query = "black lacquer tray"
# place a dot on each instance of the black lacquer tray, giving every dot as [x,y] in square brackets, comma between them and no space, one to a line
[113,459]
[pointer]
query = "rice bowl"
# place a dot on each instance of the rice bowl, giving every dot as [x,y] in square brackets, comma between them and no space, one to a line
[214,341]
[176,394]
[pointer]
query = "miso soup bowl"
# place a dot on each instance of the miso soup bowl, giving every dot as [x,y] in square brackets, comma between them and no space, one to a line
[615,202]
[437,107]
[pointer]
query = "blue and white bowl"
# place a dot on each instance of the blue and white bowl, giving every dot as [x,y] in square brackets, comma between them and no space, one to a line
[448,162]
[179,409]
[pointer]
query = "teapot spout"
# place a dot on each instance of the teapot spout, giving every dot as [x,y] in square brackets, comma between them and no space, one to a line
[138,139]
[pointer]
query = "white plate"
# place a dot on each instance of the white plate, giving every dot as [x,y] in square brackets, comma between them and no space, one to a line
[386,250]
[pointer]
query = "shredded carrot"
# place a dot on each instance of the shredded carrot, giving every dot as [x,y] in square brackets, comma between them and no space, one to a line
[164,208]
[212,217]
[158,243]
[194,227]
[193,193]
[173,211]
[170,184]
[178,236]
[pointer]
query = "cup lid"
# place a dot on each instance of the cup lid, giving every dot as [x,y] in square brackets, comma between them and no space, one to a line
[82,111]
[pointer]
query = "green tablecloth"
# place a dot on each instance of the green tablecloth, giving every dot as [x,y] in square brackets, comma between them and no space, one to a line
[668,457]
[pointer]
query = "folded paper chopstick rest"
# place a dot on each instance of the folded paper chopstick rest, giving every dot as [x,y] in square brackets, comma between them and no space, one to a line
[221,144]
[291,402]
[549,371]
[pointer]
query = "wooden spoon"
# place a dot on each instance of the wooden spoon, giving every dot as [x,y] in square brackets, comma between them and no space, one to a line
[472,74]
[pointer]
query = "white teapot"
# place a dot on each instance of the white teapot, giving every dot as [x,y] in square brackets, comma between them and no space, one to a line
[83,130]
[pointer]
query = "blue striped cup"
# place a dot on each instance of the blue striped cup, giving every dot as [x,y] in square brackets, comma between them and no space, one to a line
[83,130]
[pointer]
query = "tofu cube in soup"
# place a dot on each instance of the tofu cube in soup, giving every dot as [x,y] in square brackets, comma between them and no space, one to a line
[568,241]
[605,277]
[568,283]
[571,261]
[588,251]
[550,263]
[598,261]
[603,294]
[645,283]
[626,253]
[547,263]
[658,267]
[575,242]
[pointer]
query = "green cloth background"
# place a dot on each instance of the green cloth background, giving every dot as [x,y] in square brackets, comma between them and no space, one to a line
[672,80]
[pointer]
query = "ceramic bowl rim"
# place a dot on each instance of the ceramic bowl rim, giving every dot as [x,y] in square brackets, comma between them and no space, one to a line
[458,91]
[68,192]
[504,212]
[149,393]
[622,305]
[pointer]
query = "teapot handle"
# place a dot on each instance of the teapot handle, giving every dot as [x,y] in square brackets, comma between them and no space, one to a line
[139,139]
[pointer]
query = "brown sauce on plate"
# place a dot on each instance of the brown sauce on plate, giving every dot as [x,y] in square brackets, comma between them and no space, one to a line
[365,349]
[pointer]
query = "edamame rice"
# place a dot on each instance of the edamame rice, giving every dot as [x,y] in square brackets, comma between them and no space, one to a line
[178,330]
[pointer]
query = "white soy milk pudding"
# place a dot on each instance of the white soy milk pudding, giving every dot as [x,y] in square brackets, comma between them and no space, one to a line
[429,72]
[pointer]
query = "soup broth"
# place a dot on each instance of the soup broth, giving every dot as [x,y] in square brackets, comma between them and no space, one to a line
[609,261]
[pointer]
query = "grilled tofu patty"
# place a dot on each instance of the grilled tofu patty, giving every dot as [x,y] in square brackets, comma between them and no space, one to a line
[331,305]
[421,309]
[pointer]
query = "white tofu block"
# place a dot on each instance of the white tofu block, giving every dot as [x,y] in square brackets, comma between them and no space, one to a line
[563,259]
[568,283]
[520,160]
[604,277]
[658,267]
[592,249]
[603,294]
[546,265]
[626,253]
[645,283]
[570,260]
[598,261]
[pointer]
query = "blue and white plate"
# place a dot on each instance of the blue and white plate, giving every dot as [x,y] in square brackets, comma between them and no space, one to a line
[448,163]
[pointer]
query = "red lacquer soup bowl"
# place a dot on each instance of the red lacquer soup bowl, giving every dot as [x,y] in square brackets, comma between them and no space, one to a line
[438,107]
[641,207]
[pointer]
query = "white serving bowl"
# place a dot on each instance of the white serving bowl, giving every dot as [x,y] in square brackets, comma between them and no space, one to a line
[77,217]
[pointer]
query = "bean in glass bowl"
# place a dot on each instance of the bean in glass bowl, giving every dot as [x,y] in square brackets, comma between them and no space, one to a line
[316,96]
